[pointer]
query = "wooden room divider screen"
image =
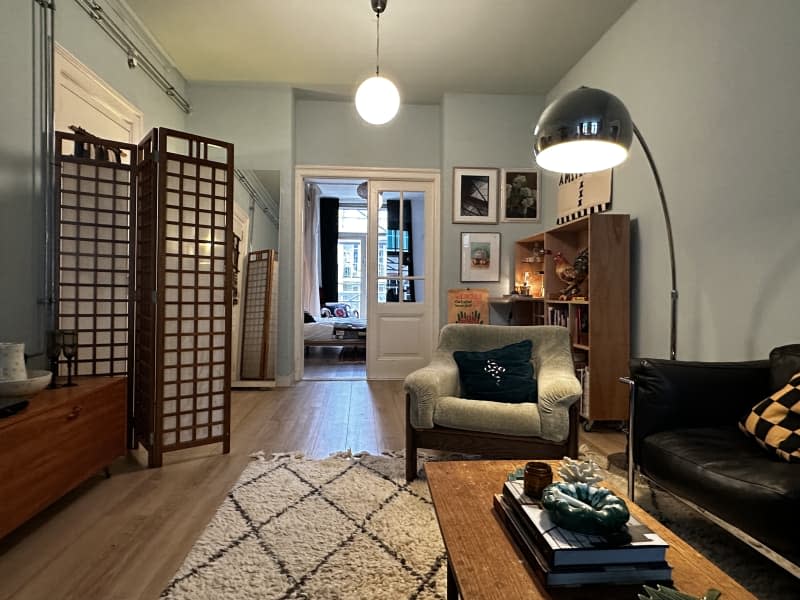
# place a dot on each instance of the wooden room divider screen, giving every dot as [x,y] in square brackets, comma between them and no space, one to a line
[260,322]
[184,292]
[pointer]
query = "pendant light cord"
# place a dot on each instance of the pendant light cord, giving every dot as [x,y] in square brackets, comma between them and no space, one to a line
[378,48]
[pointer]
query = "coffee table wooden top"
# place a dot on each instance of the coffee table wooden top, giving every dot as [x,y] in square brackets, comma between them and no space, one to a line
[487,564]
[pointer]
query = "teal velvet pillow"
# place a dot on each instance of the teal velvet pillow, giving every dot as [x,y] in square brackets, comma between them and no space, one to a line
[501,374]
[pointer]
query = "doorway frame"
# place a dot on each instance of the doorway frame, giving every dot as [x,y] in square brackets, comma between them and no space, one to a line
[71,74]
[303,172]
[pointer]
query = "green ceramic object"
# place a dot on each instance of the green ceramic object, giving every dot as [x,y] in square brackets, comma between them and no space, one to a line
[666,593]
[585,508]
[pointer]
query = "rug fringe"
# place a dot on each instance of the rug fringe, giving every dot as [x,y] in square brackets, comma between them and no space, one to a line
[260,455]
[348,454]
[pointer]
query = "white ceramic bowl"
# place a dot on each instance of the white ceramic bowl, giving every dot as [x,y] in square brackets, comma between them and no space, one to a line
[25,388]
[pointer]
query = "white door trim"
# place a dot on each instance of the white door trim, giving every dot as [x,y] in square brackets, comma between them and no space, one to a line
[71,73]
[302,172]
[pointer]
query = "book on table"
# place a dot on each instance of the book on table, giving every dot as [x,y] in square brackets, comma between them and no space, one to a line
[637,543]
[598,573]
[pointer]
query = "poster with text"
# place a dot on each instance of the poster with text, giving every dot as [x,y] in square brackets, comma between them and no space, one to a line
[581,194]
[468,306]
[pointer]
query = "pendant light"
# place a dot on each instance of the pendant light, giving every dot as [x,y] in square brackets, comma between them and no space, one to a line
[377,98]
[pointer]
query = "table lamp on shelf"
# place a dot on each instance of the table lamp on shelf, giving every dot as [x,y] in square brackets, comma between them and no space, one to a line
[588,130]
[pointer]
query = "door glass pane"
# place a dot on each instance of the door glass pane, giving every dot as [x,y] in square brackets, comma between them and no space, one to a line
[382,216]
[391,293]
[418,287]
[413,226]
[401,241]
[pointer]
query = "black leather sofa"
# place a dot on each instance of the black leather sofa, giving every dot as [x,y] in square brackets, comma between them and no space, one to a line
[684,437]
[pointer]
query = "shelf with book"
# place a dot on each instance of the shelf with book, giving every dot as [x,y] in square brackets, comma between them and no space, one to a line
[604,294]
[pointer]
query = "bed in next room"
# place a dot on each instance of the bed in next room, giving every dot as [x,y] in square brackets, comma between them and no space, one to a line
[349,331]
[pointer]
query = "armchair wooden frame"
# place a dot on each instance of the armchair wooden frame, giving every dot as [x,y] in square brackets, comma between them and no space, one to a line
[492,445]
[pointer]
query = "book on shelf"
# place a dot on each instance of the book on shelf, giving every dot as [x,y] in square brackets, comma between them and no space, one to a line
[605,573]
[562,547]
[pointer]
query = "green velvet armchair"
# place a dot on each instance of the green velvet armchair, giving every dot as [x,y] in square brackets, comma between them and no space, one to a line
[438,418]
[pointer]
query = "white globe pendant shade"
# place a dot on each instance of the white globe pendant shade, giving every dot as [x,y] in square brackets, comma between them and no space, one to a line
[377,100]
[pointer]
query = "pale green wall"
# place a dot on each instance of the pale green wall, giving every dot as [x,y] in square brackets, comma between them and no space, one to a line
[714,88]
[79,34]
[332,133]
[492,131]
[259,121]
[21,207]
[712,85]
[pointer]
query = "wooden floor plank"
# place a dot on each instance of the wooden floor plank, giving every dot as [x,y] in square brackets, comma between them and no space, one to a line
[125,537]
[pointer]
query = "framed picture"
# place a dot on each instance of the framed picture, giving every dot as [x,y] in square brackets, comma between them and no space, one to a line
[480,256]
[474,195]
[519,196]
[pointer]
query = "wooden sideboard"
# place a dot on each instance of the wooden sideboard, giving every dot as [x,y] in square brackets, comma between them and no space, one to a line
[62,438]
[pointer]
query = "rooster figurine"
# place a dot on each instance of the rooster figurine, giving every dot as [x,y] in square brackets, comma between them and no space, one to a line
[572,274]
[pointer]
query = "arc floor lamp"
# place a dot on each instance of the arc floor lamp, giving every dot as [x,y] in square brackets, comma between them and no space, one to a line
[589,130]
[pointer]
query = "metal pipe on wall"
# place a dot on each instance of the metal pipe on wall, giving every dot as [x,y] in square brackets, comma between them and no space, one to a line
[43,70]
[267,205]
[136,58]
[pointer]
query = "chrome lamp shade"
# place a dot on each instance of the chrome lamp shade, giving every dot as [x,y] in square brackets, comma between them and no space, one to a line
[584,131]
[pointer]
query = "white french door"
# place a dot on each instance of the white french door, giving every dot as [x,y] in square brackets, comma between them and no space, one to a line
[401,276]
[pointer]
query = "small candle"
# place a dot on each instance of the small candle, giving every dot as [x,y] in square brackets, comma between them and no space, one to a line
[537,476]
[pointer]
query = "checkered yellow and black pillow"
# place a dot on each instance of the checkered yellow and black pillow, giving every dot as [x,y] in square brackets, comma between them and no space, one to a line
[775,421]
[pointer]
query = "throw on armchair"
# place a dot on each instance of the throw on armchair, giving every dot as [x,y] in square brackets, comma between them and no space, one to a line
[437,417]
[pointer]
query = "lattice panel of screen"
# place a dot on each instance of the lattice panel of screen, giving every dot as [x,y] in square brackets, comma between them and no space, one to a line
[260,316]
[145,351]
[193,253]
[94,213]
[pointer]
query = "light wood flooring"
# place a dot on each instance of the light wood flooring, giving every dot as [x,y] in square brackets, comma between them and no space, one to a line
[124,538]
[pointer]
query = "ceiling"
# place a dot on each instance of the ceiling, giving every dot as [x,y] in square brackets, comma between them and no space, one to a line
[325,48]
[343,189]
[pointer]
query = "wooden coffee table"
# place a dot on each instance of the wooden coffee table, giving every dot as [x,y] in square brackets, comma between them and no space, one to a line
[484,563]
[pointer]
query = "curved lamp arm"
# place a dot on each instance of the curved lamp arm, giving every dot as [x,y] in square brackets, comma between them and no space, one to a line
[674,293]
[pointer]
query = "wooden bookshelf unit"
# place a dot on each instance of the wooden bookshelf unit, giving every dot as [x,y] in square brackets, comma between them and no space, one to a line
[597,316]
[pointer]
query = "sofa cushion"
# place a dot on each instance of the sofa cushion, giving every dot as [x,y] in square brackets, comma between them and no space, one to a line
[722,471]
[521,419]
[775,421]
[784,361]
[500,375]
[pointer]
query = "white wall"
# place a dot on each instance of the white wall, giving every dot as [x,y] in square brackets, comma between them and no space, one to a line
[714,88]
[259,121]
[481,130]
[332,133]
[21,207]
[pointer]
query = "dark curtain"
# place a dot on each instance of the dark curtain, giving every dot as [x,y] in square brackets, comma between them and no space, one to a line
[395,243]
[328,240]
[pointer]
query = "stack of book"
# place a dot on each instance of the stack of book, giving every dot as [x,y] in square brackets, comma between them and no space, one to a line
[563,557]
